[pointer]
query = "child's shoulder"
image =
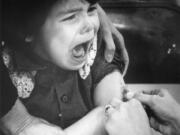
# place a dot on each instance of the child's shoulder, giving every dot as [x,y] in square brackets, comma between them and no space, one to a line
[23,59]
[21,79]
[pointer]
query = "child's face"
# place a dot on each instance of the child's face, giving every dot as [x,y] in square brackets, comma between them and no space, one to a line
[68,32]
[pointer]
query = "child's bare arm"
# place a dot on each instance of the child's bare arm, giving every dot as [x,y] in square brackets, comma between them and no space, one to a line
[111,86]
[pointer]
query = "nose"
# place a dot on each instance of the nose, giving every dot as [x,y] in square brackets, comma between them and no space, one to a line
[87,26]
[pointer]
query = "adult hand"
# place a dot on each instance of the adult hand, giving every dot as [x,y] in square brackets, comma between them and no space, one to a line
[113,39]
[19,122]
[165,109]
[127,118]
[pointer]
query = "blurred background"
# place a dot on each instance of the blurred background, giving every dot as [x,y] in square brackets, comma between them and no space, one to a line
[152,36]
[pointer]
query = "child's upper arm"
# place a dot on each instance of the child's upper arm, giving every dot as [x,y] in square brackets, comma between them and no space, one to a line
[107,77]
[108,88]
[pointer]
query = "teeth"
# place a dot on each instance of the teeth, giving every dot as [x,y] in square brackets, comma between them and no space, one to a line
[79,51]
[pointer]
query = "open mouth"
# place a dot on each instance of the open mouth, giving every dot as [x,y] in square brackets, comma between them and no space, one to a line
[80,51]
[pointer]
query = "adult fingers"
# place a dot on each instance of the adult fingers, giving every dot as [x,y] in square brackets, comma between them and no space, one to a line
[129,95]
[135,102]
[119,41]
[159,92]
[145,99]
[110,46]
[106,34]
[163,92]
[162,128]
[153,123]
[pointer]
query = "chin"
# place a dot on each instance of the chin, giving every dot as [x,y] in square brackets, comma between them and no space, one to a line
[70,66]
[76,67]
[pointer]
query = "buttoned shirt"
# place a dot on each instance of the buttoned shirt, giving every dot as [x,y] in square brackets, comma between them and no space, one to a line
[52,93]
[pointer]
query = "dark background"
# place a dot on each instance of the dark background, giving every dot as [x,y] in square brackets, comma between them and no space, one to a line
[152,36]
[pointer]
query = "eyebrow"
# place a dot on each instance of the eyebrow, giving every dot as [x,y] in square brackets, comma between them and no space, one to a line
[61,13]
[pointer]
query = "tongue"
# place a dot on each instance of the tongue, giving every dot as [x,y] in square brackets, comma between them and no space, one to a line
[78,51]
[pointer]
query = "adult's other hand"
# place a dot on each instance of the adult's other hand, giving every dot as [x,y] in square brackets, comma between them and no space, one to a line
[113,39]
[165,109]
[127,118]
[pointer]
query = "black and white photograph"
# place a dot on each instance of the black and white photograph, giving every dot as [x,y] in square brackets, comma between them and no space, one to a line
[90,67]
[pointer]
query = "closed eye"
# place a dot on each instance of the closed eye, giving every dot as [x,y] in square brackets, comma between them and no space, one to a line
[68,18]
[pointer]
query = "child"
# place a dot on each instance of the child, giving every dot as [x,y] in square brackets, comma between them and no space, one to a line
[60,74]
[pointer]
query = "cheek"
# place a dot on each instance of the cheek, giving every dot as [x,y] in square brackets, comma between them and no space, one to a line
[60,37]
[67,33]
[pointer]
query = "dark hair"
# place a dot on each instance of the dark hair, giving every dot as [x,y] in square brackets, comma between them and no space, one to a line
[21,17]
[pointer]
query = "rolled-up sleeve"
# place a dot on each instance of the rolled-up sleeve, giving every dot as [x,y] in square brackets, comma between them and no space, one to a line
[101,68]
